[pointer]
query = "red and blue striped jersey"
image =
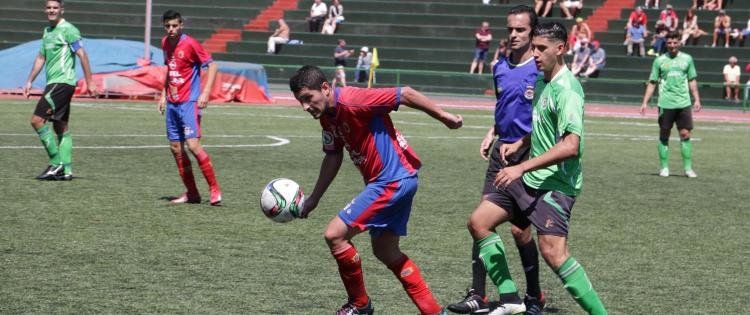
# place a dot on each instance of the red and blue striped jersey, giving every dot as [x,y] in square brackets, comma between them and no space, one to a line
[360,123]
[184,62]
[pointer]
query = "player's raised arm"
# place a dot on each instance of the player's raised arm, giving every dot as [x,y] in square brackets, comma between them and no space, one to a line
[414,99]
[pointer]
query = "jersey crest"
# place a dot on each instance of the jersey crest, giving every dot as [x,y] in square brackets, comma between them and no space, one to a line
[529,93]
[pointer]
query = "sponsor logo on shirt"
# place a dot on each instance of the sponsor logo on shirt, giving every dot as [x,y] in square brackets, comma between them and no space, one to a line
[529,94]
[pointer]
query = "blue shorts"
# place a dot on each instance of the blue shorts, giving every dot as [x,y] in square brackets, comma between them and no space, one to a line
[480,54]
[382,206]
[183,121]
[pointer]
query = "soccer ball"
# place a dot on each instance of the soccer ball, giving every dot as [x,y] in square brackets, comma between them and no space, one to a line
[281,200]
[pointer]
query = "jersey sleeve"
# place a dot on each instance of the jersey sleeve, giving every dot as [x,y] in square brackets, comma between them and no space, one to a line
[371,101]
[201,55]
[654,77]
[73,37]
[691,73]
[570,113]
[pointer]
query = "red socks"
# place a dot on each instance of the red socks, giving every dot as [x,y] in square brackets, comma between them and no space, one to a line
[204,161]
[408,273]
[350,270]
[186,173]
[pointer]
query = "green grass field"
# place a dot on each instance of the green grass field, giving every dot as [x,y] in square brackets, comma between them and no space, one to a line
[108,242]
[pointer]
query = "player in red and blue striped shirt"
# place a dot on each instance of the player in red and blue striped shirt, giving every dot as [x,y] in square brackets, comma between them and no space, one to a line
[184,101]
[357,120]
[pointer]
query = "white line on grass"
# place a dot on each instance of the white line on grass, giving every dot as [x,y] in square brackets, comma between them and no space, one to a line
[217,111]
[279,142]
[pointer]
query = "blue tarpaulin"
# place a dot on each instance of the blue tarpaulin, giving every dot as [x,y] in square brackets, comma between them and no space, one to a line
[105,55]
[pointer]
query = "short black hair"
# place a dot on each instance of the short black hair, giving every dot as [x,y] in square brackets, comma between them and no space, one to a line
[171,15]
[552,30]
[58,1]
[310,77]
[521,9]
[673,35]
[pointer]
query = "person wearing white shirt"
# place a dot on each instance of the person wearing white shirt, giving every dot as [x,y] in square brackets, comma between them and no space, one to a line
[318,12]
[732,79]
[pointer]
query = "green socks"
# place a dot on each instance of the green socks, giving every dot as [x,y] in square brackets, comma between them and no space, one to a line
[578,285]
[663,153]
[686,148]
[50,144]
[492,254]
[66,152]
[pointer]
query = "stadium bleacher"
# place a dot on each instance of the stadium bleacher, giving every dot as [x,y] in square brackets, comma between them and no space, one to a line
[427,44]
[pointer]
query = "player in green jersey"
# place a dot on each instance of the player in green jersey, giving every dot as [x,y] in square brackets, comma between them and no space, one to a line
[61,44]
[675,73]
[545,186]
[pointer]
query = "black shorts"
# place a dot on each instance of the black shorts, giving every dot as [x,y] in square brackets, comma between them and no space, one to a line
[683,117]
[55,102]
[549,211]
[500,196]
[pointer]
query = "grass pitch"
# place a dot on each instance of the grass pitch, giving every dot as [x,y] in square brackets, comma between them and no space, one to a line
[108,242]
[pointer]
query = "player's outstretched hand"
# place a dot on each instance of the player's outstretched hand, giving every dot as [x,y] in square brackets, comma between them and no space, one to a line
[452,121]
[308,206]
[27,89]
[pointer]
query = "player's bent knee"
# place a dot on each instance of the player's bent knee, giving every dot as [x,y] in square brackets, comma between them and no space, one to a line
[554,255]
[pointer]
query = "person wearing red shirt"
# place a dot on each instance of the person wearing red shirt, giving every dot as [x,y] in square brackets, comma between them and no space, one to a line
[357,119]
[669,16]
[182,102]
[636,16]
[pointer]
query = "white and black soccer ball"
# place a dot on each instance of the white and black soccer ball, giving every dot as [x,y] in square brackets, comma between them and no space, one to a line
[281,200]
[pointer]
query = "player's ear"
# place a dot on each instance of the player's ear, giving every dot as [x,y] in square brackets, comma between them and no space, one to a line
[562,48]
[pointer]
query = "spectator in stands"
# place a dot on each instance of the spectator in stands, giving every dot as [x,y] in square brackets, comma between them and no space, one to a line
[340,53]
[581,56]
[636,35]
[712,5]
[659,41]
[747,85]
[571,8]
[318,13]
[339,77]
[669,17]
[654,4]
[483,38]
[722,27]
[579,30]
[363,65]
[335,17]
[732,79]
[596,62]
[279,36]
[636,15]
[690,29]
[745,33]
[543,7]
[639,16]
[502,50]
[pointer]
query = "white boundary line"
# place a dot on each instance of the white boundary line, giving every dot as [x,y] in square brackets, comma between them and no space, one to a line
[279,141]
